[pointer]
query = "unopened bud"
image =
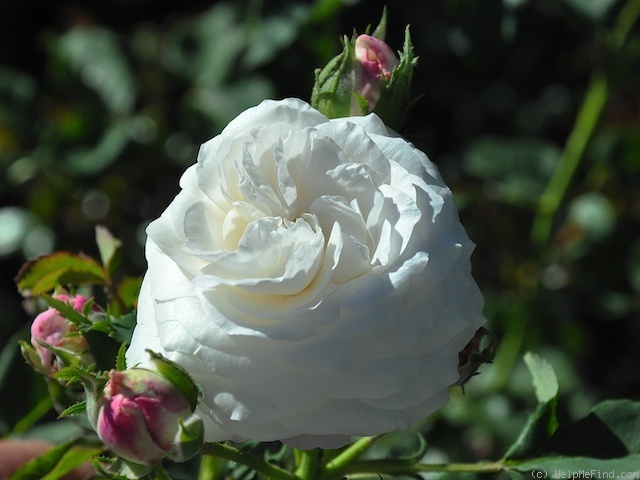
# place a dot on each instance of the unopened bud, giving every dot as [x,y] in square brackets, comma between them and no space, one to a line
[56,341]
[367,77]
[377,61]
[143,417]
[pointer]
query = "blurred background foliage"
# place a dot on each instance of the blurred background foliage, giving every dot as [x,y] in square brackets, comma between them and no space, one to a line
[104,104]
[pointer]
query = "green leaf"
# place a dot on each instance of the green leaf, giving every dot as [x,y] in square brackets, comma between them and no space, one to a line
[67,311]
[108,246]
[122,327]
[75,409]
[545,381]
[611,429]
[104,349]
[73,458]
[43,274]
[121,361]
[128,290]
[543,421]
[539,427]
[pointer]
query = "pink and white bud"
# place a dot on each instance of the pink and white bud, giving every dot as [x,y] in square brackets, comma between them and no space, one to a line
[377,61]
[50,331]
[142,417]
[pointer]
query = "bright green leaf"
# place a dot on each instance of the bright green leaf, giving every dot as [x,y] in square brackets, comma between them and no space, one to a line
[545,381]
[43,274]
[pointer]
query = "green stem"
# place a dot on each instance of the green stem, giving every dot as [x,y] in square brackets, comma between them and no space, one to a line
[308,461]
[627,16]
[257,464]
[399,467]
[583,129]
[209,467]
[344,459]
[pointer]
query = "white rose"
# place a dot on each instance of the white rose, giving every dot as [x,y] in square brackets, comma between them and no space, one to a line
[313,277]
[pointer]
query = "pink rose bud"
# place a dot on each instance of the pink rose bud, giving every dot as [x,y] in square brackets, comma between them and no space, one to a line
[50,331]
[377,61]
[143,417]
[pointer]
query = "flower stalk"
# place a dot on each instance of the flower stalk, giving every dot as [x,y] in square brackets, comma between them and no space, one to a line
[346,458]
[307,461]
[233,454]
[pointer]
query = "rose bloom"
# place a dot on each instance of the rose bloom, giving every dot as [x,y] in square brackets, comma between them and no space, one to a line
[313,277]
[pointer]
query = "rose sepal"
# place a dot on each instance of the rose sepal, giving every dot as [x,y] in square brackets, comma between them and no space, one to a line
[115,468]
[93,384]
[395,92]
[32,358]
[334,84]
[178,376]
[188,440]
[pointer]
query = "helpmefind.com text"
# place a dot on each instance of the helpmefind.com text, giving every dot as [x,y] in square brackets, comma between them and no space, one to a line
[585,474]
